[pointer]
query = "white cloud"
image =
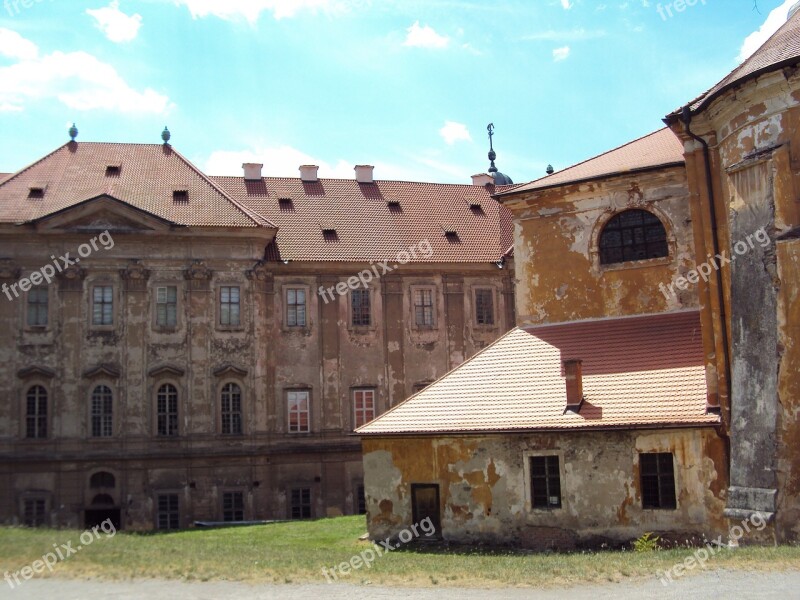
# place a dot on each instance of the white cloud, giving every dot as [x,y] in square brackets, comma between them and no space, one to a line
[453,132]
[13,45]
[252,9]
[425,37]
[560,54]
[774,21]
[76,79]
[566,4]
[117,26]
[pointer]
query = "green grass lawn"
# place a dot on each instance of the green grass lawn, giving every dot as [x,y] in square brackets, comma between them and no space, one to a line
[296,552]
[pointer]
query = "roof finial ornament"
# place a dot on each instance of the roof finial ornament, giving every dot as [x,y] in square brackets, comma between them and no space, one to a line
[492,153]
[73,132]
[166,135]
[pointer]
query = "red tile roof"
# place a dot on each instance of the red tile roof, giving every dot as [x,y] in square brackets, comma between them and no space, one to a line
[148,176]
[658,149]
[367,227]
[637,372]
[779,51]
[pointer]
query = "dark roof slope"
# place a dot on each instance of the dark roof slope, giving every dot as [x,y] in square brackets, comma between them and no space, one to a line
[343,220]
[147,176]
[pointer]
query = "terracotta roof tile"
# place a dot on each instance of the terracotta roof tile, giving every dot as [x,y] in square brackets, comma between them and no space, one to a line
[148,176]
[368,227]
[657,149]
[637,372]
[780,50]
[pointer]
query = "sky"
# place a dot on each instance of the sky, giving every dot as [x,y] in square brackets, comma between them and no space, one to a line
[408,86]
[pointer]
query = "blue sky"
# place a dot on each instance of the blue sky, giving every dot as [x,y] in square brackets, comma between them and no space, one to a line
[406,85]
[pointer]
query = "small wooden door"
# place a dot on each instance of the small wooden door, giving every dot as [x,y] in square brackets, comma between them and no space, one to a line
[425,505]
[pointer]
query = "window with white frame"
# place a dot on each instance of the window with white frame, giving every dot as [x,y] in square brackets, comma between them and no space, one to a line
[229,306]
[38,305]
[423,307]
[363,406]
[299,411]
[103,305]
[295,307]
[167,306]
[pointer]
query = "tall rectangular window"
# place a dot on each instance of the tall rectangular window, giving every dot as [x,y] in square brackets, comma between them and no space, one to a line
[36,413]
[167,408]
[168,516]
[658,480]
[231,409]
[102,412]
[298,406]
[38,300]
[301,503]
[167,306]
[423,307]
[103,305]
[34,512]
[296,307]
[229,306]
[484,307]
[232,506]
[362,310]
[545,482]
[363,407]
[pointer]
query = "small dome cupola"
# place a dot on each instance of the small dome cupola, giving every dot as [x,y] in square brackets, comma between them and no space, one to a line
[499,178]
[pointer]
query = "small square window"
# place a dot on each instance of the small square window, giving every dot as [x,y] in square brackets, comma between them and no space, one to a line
[232,507]
[545,482]
[167,306]
[169,516]
[658,480]
[229,306]
[299,411]
[103,305]
[38,302]
[301,503]
[296,307]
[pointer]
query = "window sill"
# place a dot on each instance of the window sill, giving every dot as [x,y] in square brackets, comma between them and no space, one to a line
[635,264]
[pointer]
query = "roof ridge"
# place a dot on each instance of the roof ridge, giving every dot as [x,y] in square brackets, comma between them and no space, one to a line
[255,217]
[463,364]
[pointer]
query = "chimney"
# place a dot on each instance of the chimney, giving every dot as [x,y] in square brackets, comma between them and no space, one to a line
[573,373]
[364,174]
[308,173]
[252,171]
[482,179]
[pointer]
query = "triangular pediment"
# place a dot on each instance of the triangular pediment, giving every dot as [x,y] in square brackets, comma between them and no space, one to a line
[102,213]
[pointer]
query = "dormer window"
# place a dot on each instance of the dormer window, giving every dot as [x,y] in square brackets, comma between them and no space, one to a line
[36,192]
[285,204]
[180,196]
[329,233]
[113,170]
[450,233]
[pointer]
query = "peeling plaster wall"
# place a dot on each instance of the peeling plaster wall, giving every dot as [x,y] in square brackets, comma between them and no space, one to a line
[559,276]
[752,131]
[328,357]
[484,486]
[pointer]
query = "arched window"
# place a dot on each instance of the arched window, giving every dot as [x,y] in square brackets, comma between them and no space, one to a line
[102,412]
[633,235]
[167,410]
[231,409]
[102,479]
[36,412]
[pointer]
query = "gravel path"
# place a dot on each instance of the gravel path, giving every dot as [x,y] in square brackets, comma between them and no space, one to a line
[707,586]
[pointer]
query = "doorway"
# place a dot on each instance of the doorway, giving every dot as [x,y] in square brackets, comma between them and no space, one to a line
[425,505]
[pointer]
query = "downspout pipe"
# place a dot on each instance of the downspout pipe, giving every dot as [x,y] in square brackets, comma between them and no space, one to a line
[686,117]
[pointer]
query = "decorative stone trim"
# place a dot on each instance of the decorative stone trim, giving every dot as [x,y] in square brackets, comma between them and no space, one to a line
[135,276]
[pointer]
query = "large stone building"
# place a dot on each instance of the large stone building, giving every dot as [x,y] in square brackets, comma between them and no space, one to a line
[652,382]
[180,348]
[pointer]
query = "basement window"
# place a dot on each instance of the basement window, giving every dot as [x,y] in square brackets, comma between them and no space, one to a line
[113,170]
[545,482]
[180,196]
[658,480]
